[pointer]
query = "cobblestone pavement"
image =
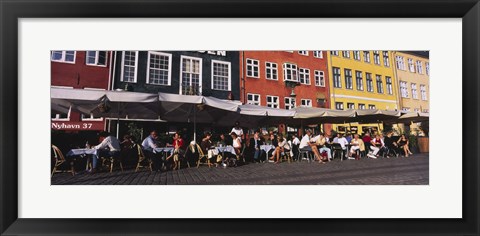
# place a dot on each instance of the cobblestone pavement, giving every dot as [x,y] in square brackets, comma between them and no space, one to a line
[413,170]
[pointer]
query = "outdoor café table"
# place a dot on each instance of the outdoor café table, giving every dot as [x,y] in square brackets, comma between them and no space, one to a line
[266,148]
[83,151]
[163,149]
[229,149]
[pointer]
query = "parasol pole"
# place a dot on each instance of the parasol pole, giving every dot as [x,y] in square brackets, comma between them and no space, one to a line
[118,120]
[194,124]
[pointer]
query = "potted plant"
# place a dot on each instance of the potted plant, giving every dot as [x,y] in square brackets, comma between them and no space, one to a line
[413,143]
[423,141]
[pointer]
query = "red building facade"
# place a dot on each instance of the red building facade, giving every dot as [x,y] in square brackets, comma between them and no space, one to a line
[79,70]
[284,79]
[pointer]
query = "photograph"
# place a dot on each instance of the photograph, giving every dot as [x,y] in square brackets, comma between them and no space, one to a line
[257,117]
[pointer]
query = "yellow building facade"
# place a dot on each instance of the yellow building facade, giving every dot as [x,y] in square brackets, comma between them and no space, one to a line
[362,80]
[413,75]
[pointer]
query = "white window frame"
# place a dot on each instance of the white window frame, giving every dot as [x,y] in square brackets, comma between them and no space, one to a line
[419,67]
[423,92]
[200,78]
[371,82]
[306,103]
[229,74]
[339,106]
[303,53]
[251,63]
[57,116]
[403,89]
[97,53]
[285,72]
[148,68]
[90,118]
[389,86]
[346,76]
[411,65]
[253,102]
[273,104]
[267,66]
[346,54]
[306,74]
[136,67]
[339,84]
[413,86]
[359,88]
[290,106]
[379,81]
[406,109]
[350,106]
[400,62]
[371,107]
[319,78]
[427,68]
[361,106]
[357,56]
[318,54]
[335,53]
[64,53]
[366,56]
[386,59]
[376,55]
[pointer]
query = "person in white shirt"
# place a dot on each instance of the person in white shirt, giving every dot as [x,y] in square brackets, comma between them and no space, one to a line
[283,146]
[148,146]
[237,130]
[377,144]
[304,143]
[321,141]
[295,140]
[109,147]
[341,140]
[237,143]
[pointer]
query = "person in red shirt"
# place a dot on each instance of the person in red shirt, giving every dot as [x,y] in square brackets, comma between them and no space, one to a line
[177,149]
[366,140]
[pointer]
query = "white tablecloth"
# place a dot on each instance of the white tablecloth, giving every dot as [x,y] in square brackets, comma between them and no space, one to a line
[163,149]
[266,148]
[82,151]
[229,149]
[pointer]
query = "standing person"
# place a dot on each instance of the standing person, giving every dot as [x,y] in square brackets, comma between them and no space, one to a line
[295,144]
[237,130]
[109,147]
[148,146]
[254,145]
[377,144]
[237,143]
[403,145]
[367,140]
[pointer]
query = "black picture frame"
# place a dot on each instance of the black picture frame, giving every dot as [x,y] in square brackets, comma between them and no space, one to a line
[11,11]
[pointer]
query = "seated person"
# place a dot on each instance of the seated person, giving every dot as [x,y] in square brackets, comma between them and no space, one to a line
[307,144]
[282,147]
[272,140]
[390,143]
[109,147]
[209,149]
[321,142]
[403,145]
[356,144]
[254,145]
[295,144]
[342,141]
[129,150]
[377,144]
[237,143]
[367,140]
[148,146]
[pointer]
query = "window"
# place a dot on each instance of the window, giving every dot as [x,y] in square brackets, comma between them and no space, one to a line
[61,116]
[348,79]
[403,89]
[350,106]
[335,53]
[318,54]
[319,78]
[416,109]
[290,103]
[191,76]
[253,68]
[386,59]
[63,56]
[389,84]
[400,62]
[304,75]
[414,91]
[411,67]
[371,107]
[273,102]
[305,53]
[359,80]
[419,67]
[423,91]
[406,109]
[306,103]
[346,54]
[159,68]
[90,117]
[221,75]
[337,80]
[369,82]
[425,110]
[366,56]
[271,70]
[379,84]
[427,68]
[361,106]
[356,55]
[339,105]
[290,72]
[96,58]
[129,66]
[253,99]
[376,57]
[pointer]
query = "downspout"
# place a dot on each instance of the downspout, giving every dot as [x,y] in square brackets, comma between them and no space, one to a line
[242,80]
[114,67]
[397,90]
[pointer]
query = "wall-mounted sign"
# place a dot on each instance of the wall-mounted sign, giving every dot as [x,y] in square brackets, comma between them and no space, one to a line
[217,53]
[68,125]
